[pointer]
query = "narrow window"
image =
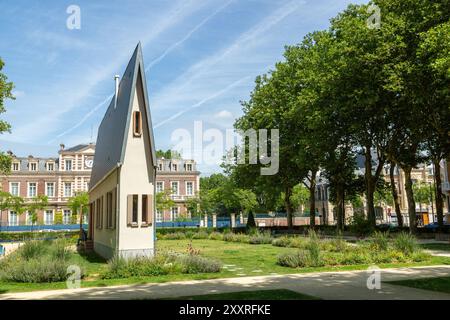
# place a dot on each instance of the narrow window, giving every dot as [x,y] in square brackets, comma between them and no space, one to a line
[68,164]
[144,209]
[132,210]
[33,166]
[137,124]
[15,166]
[14,189]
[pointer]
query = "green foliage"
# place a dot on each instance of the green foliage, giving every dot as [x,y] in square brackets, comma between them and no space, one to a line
[299,259]
[168,154]
[380,241]
[164,200]
[406,243]
[193,264]
[360,225]
[261,238]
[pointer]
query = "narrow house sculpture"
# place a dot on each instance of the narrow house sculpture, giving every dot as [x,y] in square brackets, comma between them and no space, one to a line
[121,194]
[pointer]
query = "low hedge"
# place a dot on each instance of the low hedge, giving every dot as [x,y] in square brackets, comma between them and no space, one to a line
[27,235]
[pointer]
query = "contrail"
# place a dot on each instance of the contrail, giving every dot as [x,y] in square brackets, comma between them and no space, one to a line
[202,102]
[154,62]
[187,36]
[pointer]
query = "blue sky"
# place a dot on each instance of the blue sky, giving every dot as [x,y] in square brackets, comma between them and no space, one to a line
[201,58]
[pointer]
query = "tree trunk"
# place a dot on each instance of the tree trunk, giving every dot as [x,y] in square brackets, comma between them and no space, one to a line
[411,202]
[288,206]
[340,208]
[439,198]
[370,187]
[81,221]
[398,212]
[312,199]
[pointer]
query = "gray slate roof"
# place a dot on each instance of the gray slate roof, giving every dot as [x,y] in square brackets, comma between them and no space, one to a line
[77,148]
[112,133]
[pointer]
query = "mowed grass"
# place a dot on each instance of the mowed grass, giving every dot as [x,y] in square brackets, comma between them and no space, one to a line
[279,294]
[432,284]
[239,259]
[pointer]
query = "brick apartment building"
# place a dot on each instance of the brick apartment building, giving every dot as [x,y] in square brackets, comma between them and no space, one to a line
[61,177]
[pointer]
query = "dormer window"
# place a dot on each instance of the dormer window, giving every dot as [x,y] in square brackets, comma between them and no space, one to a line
[33,166]
[137,124]
[50,166]
[15,166]
[160,166]
[174,167]
[189,167]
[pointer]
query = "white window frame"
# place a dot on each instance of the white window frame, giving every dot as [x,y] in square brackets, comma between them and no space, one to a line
[178,188]
[46,222]
[31,166]
[10,214]
[64,216]
[52,164]
[18,188]
[189,165]
[71,189]
[176,167]
[46,189]
[65,164]
[159,215]
[160,166]
[28,189]
[28,221]
[18,166]
[162,186]
[172,213]
[192,188]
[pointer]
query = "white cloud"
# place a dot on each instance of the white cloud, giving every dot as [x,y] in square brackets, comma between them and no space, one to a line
[224,114]
[18,93]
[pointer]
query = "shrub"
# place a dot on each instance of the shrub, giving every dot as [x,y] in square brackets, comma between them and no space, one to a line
[251,220]
[33,270]
[59,249]
[196,264]
[297,259]
[260,238]
[281,241]
[200,235]
[380,241]
[215,236]
[406,243]
[32,249]
[360,225]
[313,248]
[175,236]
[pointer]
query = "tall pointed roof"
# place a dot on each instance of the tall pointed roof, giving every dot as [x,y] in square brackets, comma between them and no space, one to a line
[112,133]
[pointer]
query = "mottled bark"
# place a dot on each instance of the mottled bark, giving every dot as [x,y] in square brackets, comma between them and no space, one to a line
[411,202]
[439,198]
[398,212]
[312,199]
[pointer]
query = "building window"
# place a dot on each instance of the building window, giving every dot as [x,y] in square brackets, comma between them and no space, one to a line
[32,189]
[110,209]
[29,218]
[50,166]
[132,210]
[68,165]
[99,213]
[160,166]
[174,212]
[137,124]
[174,186]
[50,189]
[159,186]
[159,215]
[13,219]
[66,216]
[189,188]
[14,189]
[145,207]
[15,166]
[67,189]
[174,167]
[33,166]
[48,217]
[189,167]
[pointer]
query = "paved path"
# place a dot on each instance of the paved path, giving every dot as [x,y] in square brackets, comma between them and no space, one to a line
[326,285]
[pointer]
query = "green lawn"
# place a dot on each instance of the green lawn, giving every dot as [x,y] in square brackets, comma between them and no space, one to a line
[239,259]
[280,294]
[433,284]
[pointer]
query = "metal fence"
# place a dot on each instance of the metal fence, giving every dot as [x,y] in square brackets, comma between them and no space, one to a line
[43,228]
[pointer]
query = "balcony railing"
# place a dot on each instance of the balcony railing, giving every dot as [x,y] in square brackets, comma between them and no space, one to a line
[180,198]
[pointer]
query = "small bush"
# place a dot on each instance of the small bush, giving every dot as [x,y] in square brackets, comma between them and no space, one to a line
[260,238]
[313,248]
[32,249]
[281,242]
[200,235]
[215,236]
[34,270]
[360,225]
[175,236]
[196,264]
[251,220]
[60,250]
[406,243]
[380,241]
[299,259]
